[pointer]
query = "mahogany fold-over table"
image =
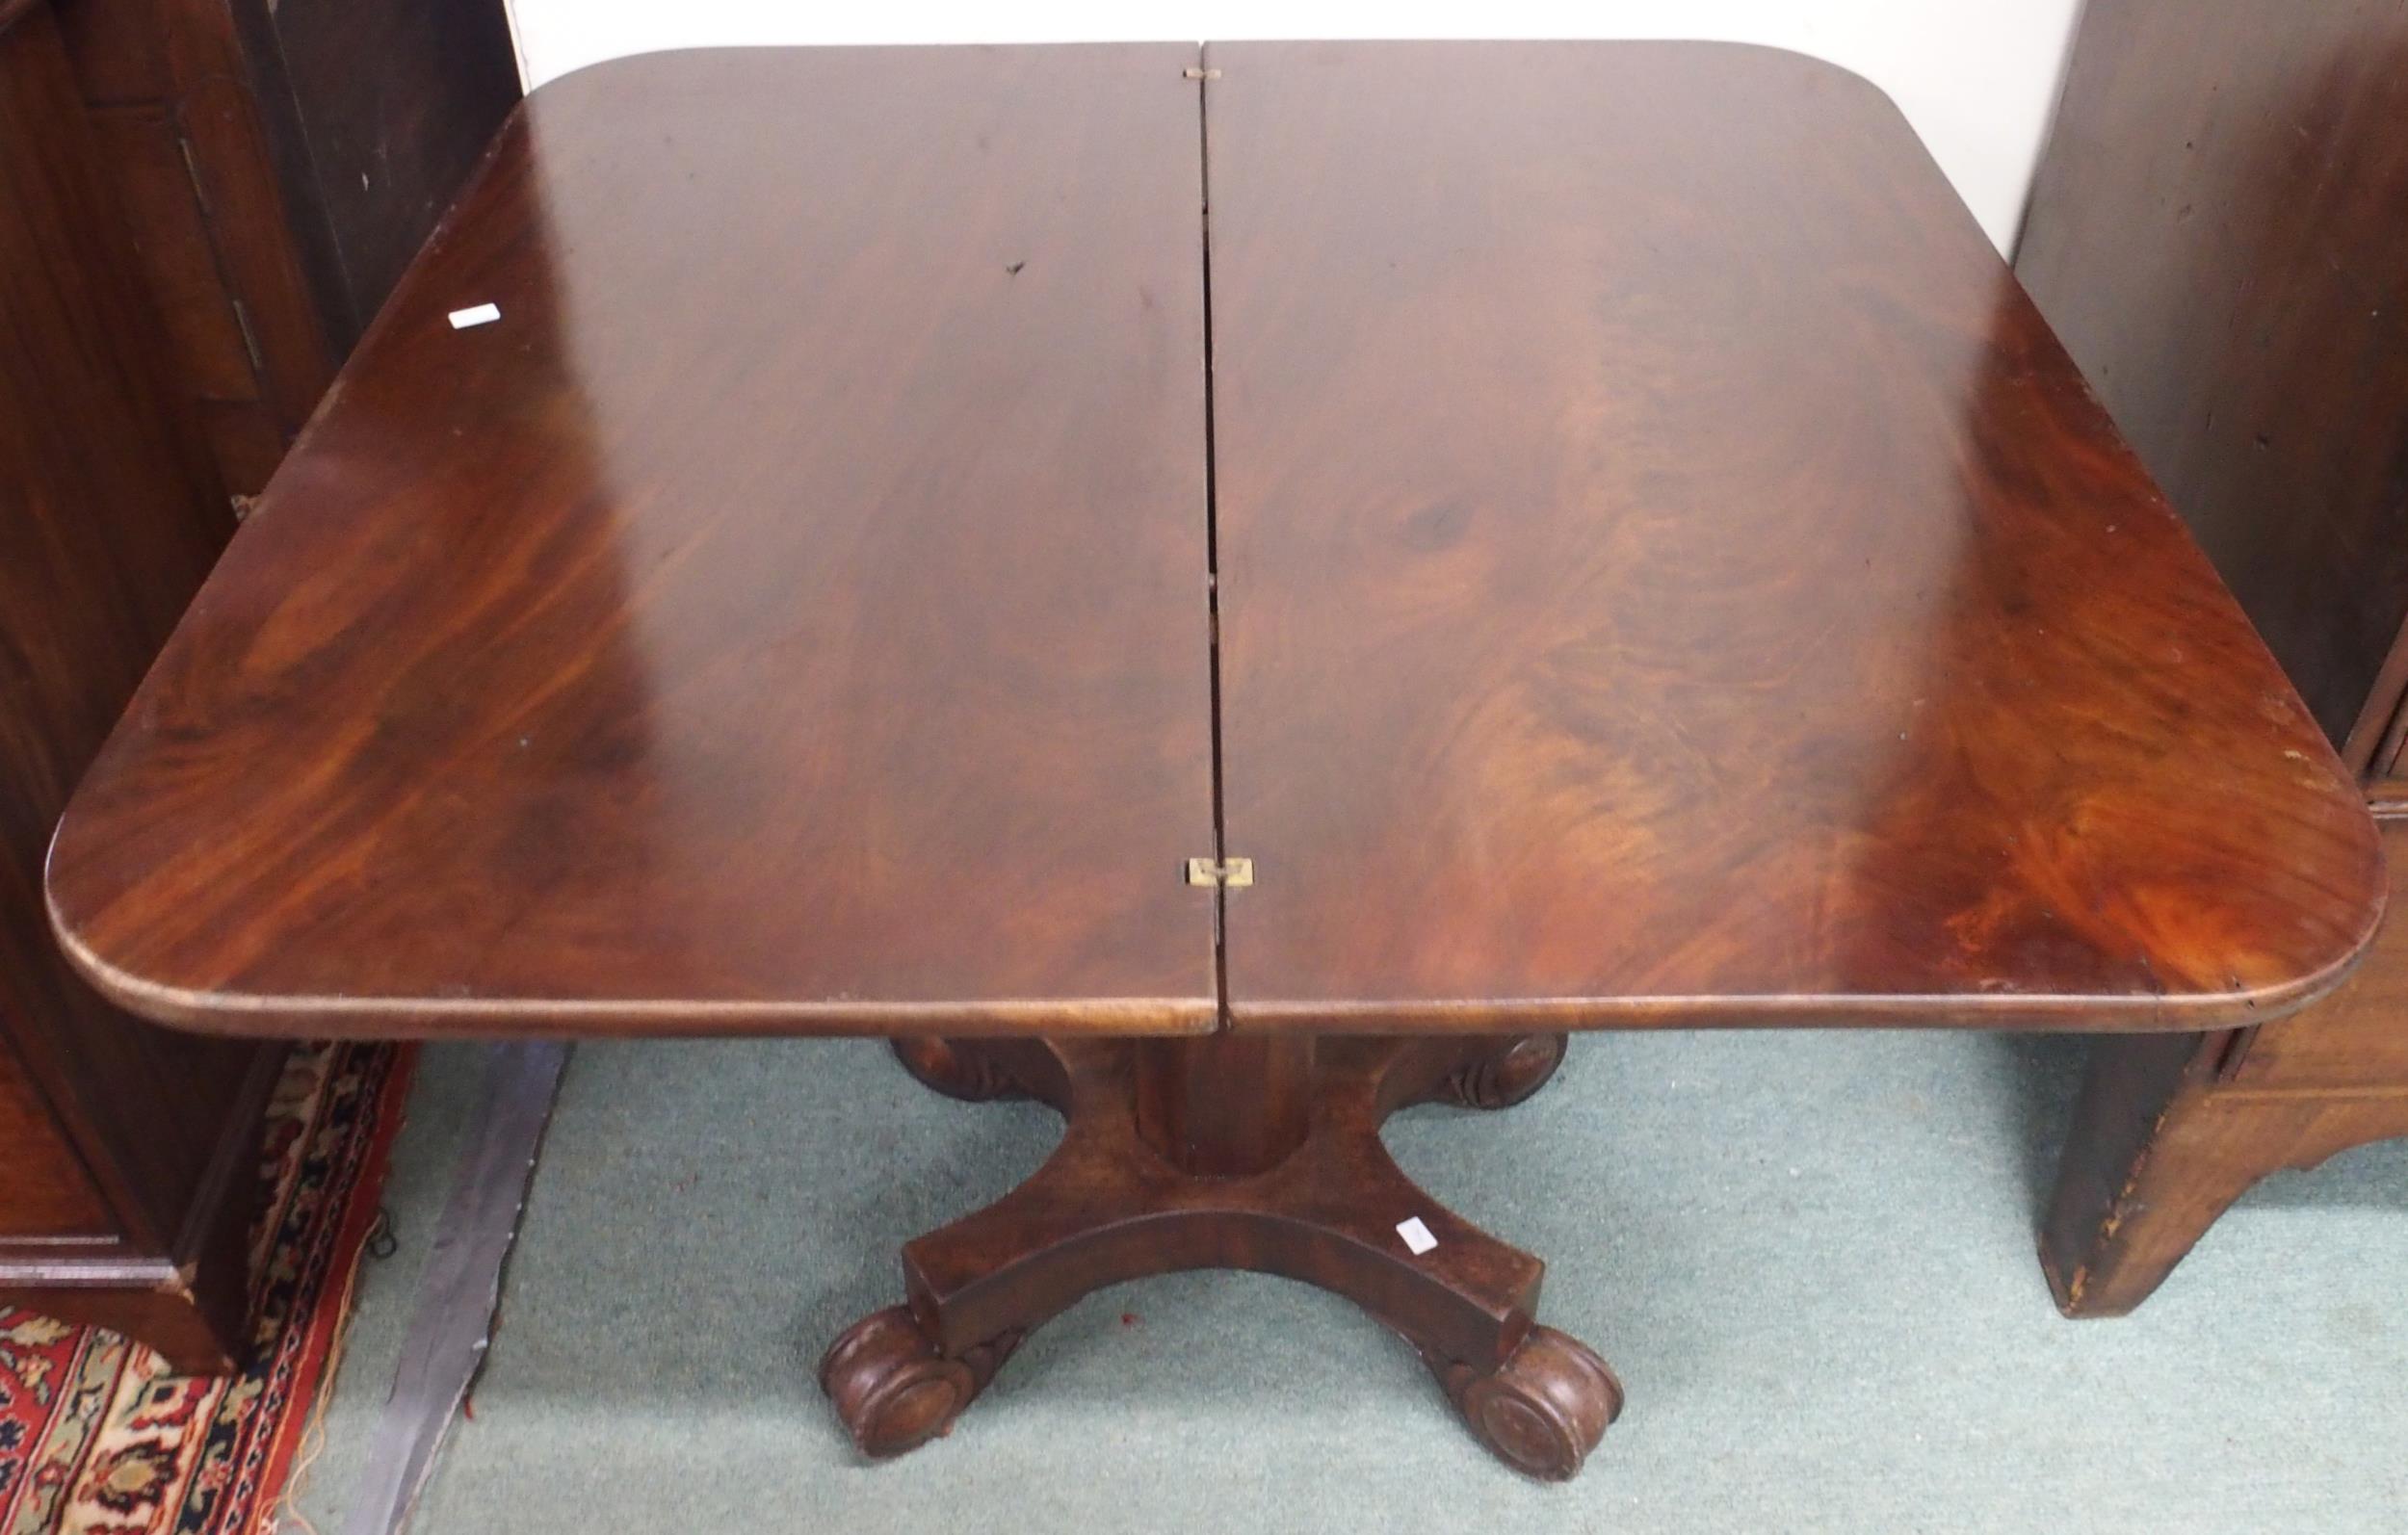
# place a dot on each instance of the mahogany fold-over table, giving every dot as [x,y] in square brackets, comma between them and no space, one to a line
[1228,590]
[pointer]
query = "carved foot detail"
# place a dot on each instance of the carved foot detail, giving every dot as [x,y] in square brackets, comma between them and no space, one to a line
[894,1390]
[1541,1411]
[975,1071]
[1108,1208]
[1506,1076]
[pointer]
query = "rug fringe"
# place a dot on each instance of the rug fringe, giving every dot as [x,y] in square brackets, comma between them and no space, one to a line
[283,1511]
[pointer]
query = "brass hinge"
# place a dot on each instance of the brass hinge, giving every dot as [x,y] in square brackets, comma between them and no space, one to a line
[1199,75]
[1234,873]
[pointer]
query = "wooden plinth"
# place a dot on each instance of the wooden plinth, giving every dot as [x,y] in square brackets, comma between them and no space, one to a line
[1226,1153]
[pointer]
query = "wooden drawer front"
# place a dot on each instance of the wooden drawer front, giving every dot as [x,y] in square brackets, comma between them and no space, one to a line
[43,1188]
[2357,1037]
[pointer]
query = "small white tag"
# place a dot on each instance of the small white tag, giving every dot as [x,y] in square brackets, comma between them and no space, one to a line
[1416,1235]
[483,313]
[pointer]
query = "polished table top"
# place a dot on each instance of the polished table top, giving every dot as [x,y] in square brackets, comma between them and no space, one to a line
[1617,548]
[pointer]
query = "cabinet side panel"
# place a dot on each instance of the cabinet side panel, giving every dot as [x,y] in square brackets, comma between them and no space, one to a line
[2219,234]
[109,517]
[46,1192]
[397,99]
[2357,1038]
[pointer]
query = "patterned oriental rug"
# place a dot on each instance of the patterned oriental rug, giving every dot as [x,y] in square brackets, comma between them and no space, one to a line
[98,1439]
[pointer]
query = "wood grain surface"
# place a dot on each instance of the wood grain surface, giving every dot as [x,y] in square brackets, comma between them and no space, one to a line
[788,617]
[1666,574]
[1669,574]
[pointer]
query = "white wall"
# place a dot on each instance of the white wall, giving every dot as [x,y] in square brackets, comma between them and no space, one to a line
[1977,78]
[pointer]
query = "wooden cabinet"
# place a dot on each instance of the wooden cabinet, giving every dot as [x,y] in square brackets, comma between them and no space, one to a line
[127,1150]
[2219,234]
[174,296]
[280,162]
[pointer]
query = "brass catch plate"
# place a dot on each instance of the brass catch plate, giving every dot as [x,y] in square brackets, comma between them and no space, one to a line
[1234,873]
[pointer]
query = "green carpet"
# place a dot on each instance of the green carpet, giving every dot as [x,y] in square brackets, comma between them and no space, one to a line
[1809,1257]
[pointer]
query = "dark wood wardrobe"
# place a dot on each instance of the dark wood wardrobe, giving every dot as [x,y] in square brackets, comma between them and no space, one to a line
[201,202]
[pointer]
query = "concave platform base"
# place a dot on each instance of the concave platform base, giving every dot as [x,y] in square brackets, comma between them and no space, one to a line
[1221,1152]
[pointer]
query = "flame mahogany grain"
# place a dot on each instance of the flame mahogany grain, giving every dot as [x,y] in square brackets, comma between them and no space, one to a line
[1670,575]
[788,617]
